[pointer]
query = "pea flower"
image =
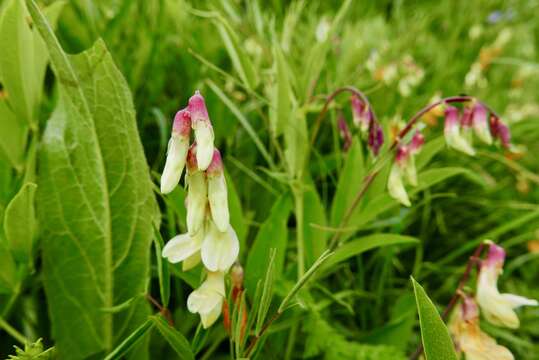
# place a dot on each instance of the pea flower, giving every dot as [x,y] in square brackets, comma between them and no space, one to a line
[207,300]
[362,117]
[376,137]
[203,130]
[344,132]
[500,131]
[217,193]
[497,308]
[219,249]
[184,247]
[480,123]
[197,193]
[452,133]
[177,151]
[468,337]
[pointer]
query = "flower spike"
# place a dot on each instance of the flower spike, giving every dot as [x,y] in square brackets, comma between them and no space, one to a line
[177,151]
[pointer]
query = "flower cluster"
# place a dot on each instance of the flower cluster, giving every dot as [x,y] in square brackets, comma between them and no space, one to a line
[366,122]
[498,309]
[209,237]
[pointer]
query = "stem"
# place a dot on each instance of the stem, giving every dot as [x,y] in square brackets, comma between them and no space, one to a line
[13,332]
[454,299]
[298,195]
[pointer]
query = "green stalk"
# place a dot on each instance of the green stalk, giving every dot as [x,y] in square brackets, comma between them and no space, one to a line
[13,332]
[298,198]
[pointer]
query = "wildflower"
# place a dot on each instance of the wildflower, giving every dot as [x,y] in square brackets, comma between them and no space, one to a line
[480,123]
[217,193]
[376,137]
[497,308]
[182,247]
[453,136]
[500,131]
[468,337]
[344,132]
[207,300]
[203,130]
[197,191]
[219,248]
[395,182]
[362,116]
[177,151]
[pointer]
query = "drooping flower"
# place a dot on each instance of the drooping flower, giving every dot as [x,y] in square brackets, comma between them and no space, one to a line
[217,193]
[176,151]
[395,183]
[468,337]
[361,115]
[203,130]
[480,123]
[183,247]
[500,131]
[207,300]
[344,132]
[219,248]
[452,133]
[376,137]
[497,308]
[197,193]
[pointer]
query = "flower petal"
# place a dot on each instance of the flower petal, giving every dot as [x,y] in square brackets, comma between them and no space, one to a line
[175,162]
[517,301]
[204,138]
[218,198]
[181,247]
[395,186]
[219,249]
[197,198]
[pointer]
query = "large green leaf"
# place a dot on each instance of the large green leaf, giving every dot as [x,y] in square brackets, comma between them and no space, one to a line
[94,202]
[437,342]
[282,95]
[20,223]
[273,234]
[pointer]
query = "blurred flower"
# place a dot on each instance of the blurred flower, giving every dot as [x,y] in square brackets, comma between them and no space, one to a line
[322,30]
[431,117]
[497,308]
[500,131]
[344,131]
[452,133]
[395,184]
[362,116]
[376,137]
[203,130]
[480,122]
[207,300]
[468,337]
[217,192]
[197,193]
[219,249]
[177,151]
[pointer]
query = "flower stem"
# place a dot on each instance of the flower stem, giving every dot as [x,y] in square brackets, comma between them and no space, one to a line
[13,332]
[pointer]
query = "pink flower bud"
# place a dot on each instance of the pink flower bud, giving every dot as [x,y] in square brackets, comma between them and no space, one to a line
[216,166]
[203,130]
[376,138]
[344,132]
[361,114]
[453,137]
[469,308]
[495,256]
[466,118]
[500,131]
[417,142]
[402,155]
[480,123]
[182,123]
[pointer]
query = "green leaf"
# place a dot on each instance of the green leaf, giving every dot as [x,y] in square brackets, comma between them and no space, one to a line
[272,234]
[428,151]
[282,98]
[267,293]
[175,338]
[236,213]
[295,143]
[17,60]
[94,202]
[133,339]
[162,268]
[12,147]
[437,342]
[314,214]
[358,246]
[349,182]
[432,177]
[8,275]
[20,223]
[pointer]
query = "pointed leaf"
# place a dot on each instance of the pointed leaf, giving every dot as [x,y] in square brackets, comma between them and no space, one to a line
[20,223]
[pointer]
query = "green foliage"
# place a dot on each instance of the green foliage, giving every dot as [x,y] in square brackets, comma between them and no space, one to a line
[33,351]
[437,342]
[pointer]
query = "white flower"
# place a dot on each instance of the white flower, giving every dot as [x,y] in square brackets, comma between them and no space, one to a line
[203,130]
[468,337]
[497,308]
[219,249]
[176,151]
[395,186]
[480,123]
[217,193]
[452,133]
[207,300]
[197,194]
[191,261]
[182,247]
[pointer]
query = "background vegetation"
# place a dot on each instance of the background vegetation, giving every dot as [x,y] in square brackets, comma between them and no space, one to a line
[265,69]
